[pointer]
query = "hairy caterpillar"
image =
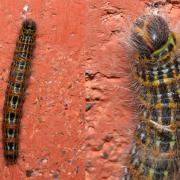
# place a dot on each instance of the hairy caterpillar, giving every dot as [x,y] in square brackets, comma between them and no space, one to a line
[156,67]
[18,77]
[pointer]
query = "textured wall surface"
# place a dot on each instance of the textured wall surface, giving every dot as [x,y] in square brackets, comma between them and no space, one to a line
[109,121]
[77,122]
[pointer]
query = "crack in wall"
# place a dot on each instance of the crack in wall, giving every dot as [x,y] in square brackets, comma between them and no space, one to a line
[89,75]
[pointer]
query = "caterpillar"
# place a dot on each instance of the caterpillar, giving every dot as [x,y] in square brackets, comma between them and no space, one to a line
[155,68]
[15,92]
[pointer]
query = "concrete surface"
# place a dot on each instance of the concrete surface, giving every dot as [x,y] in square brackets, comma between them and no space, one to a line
[77,122]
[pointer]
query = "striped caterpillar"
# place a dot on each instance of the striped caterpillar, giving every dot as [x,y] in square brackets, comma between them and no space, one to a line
[156,67]
[18,77]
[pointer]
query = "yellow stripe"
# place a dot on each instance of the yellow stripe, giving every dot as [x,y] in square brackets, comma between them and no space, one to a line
[159,105]
[156,83]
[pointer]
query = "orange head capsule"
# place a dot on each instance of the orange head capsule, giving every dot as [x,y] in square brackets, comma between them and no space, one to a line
[149,34]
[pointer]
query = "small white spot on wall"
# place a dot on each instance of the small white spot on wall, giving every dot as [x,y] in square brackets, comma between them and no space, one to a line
[25,11]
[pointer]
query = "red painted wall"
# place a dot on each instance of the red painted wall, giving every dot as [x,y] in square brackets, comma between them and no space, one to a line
[76,122]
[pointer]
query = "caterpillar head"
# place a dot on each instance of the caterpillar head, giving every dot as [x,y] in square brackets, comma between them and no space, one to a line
[29,27]
[151,34]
